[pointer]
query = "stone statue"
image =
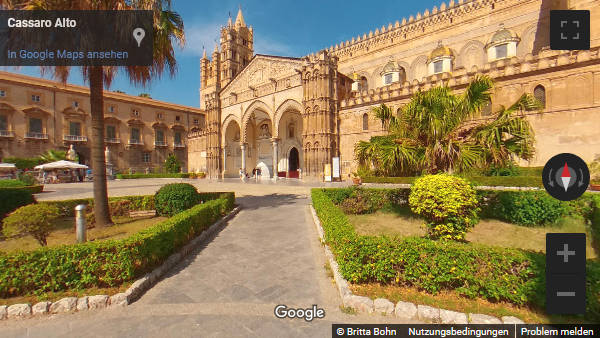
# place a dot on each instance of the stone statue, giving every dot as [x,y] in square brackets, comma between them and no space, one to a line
[71,154]
[107,155]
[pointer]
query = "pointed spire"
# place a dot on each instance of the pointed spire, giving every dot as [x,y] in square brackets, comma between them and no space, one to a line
[239,20]
[216,48]
[229,24]
[203,52]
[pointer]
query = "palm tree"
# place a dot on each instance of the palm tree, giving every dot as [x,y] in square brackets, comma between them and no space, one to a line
[442,131]
[53,155]
[168,28]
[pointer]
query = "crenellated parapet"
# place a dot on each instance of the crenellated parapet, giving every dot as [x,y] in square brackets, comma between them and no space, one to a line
[503,68]
[445,16]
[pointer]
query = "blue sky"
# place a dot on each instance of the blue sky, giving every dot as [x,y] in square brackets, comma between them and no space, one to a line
[281,27]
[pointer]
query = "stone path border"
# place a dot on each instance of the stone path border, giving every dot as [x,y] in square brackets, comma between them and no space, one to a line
[401,309]
[70,304]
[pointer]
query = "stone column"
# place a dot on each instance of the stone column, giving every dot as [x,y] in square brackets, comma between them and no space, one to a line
[243,148]
[224,162]
[275,159]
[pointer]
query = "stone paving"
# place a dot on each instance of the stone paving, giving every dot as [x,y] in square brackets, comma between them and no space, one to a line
[267,255]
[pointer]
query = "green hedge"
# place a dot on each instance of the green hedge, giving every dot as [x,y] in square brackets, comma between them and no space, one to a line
[106,263]
[13,198]
[595,222]
[505,181]
[165,175]
[495,274]
[23,163]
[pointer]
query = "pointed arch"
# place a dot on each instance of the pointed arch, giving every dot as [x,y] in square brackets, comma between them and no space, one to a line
[230,118]
[256,105]
[287,105]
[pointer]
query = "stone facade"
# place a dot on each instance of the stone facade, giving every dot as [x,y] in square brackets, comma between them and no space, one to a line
[282,114]
[37,115]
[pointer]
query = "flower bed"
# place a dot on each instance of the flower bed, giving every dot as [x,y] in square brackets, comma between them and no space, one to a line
[493,181]
[475,271]
[106,263]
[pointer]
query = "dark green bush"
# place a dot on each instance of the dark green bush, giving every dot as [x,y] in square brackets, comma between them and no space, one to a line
[448,204]
[23,163]
[494,274]
[27,178]
[36,220]
[172,164]
[528,208]
[155,175]
[13,198]
[499,181]
[508,170]
[176,197]
[105,263]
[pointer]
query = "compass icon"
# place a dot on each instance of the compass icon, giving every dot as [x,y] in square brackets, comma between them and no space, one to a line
[566,176]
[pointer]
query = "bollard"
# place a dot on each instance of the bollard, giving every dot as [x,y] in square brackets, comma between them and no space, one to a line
[80,223]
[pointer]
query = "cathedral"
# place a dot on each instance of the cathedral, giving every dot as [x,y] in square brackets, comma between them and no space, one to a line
[288,117]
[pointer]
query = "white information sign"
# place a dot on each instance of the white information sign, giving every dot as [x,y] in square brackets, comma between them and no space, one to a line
[336,167]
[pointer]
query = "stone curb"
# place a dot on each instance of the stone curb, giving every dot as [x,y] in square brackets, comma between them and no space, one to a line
[72,304]
[401,309]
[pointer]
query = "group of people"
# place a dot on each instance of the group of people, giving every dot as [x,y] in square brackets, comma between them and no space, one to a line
[256,172]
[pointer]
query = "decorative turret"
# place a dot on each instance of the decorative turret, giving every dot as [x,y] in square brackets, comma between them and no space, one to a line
[440,60]
[503,44]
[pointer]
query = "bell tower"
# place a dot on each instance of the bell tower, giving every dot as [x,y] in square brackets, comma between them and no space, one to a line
[320,118]
[237,48]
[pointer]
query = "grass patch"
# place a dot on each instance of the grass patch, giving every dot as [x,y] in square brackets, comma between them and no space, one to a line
[64,233]
[55,296]
[401,222]
[450,300]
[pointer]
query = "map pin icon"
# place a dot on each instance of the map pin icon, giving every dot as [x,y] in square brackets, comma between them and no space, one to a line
[138,35]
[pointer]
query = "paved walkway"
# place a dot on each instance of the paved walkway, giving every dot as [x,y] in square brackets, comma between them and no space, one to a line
[268,254]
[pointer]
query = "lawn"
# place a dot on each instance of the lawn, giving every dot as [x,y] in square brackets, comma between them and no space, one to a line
[399,221]
[64,233]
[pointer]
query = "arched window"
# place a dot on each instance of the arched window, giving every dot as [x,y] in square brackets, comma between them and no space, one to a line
[365,121]
[364,84]
[540,94]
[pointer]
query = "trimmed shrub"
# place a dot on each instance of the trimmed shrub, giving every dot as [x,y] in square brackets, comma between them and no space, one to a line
[105,263]
[494,274]
[174,198]
[13,198]
[448,204]
[528,208]
[156,175]
[36,220]
[12,184]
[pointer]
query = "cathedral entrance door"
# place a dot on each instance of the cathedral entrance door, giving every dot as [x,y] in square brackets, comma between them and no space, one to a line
[293,163]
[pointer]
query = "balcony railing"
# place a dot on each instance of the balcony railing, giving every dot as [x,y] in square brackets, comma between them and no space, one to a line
[7,133]
[37,136]
[178,145]
[112,140]
[75,138]
[136,143]
[160,143]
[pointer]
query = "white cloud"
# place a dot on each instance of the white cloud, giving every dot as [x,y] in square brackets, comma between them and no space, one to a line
[266,45]
[197,36]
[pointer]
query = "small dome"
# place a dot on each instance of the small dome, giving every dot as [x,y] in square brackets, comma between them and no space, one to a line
[390,67]
[502,35]
[441,50]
